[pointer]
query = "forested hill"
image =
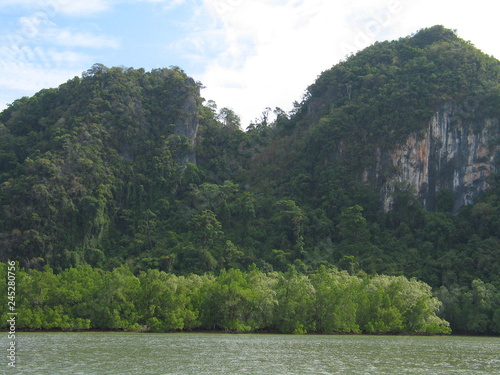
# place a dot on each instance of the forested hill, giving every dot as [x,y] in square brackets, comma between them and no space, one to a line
[411,113]
[122,166]
[87,167]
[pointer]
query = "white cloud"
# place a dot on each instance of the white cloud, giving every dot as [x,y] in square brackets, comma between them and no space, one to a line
[39,54]
[252,54]
[81,39]
[26,69]
[67,7]
[272,50]
[24,77]
[38,29]
[475,21]
[168,4]
[15,59]
[81,7]
[171,4]
[27,79]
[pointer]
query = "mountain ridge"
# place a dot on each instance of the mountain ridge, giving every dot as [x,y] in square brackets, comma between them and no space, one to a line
[127,166]
[389,93]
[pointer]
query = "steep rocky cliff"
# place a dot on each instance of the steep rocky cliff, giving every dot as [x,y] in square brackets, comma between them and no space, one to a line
[453,153]
[419,114]
[188,123]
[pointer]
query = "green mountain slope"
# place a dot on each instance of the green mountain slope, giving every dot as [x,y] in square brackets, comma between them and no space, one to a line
[334,158]
[360,110]
[123,165]
[83,164]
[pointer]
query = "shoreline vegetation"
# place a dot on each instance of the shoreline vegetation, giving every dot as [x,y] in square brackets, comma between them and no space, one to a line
[326,301]
[257,332]
[130,201]
[313,333]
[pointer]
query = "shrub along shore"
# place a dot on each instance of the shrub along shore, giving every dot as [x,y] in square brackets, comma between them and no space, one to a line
[326,301]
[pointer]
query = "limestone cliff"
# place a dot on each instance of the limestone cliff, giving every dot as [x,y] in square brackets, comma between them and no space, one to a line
[187,125]
[454,153]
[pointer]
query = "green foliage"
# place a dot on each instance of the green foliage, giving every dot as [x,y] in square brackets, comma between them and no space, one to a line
[471,309]
[295,295]
[353,227]
[328,301]
[122,195]
[445,201]
[88,158]
[337,301]
[228,303]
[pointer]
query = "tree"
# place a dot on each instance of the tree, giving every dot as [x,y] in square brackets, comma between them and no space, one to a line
[337,300]
[163,302]
[445,201]
[296,297]
[229,118]
[289,220]
[228,302]
[353,227]
[206,229]
[114,306]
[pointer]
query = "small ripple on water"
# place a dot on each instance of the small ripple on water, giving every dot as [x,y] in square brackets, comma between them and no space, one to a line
[172,354]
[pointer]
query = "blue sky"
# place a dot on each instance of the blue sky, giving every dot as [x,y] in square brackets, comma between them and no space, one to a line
[250,54]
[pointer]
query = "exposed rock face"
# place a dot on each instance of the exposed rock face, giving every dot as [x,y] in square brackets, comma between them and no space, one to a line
[187,126]
[454,153]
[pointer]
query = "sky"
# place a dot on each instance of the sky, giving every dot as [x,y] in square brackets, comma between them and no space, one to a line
[249,54]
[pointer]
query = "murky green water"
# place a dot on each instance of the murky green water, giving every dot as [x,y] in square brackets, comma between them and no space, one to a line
[132,353]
